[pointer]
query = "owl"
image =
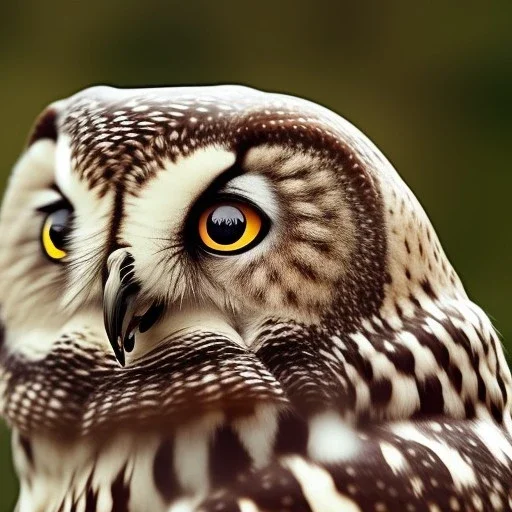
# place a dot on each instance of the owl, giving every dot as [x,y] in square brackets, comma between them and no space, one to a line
[220,299]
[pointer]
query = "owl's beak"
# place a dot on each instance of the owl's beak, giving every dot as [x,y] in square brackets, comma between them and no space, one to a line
[119,300]
[120,305]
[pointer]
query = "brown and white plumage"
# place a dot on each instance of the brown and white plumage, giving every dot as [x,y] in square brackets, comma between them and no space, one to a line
[337,364]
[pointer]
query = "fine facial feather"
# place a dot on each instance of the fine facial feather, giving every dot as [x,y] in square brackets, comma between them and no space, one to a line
[339,347]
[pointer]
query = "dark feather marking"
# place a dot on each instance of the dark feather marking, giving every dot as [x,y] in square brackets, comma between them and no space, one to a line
[26,445]
[45,127]
[415,301]
[497,412]
[469,409]
[91,495]
[305,269]
[164,474]
[380,392]
[292,434]
[120,492]
[228,457]
[494,344]
[292,298]
[431,396]
[427,288]
[455,376]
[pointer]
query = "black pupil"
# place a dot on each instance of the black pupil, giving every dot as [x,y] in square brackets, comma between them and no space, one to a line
[59,228]
[226,225]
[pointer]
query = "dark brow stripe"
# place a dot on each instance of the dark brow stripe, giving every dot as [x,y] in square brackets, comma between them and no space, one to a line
[45,127]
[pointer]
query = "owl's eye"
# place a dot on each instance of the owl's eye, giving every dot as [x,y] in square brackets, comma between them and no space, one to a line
[231,227]
[53,233]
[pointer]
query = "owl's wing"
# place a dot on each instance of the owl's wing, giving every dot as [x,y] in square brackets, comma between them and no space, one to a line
[419,466]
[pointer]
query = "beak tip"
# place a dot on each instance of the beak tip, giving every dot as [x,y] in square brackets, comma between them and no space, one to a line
[120,357]
[118,350]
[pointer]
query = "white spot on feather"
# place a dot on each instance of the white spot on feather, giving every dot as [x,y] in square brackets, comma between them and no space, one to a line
[247,505]
[331,439]
[393,457]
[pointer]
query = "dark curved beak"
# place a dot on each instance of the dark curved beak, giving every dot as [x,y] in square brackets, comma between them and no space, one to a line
[120,303]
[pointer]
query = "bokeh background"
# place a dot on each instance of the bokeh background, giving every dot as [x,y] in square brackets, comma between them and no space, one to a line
[430,84]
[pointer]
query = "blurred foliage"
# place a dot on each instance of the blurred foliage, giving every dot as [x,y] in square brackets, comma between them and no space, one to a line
[428,82]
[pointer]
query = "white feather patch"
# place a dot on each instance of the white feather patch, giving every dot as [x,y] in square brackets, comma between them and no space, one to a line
[257,433]
[318,487]
[331,439]
[461,472]
[192,451]
[493,438]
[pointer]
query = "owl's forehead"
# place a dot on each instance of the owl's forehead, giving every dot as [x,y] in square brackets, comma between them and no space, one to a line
[126,135]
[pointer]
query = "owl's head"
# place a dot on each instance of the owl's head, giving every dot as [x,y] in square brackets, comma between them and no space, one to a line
[137,217]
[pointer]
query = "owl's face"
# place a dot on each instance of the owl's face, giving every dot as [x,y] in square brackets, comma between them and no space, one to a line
[136,217]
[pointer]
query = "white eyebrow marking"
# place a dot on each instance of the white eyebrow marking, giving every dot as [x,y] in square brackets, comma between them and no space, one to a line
[256,188]
[63,164]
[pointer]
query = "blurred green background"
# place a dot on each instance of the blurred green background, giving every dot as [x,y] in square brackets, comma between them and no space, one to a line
[429,84]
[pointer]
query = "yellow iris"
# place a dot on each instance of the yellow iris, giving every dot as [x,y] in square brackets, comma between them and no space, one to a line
[52,251]
[253,225]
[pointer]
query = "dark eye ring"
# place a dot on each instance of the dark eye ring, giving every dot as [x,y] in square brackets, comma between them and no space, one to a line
[231,227]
